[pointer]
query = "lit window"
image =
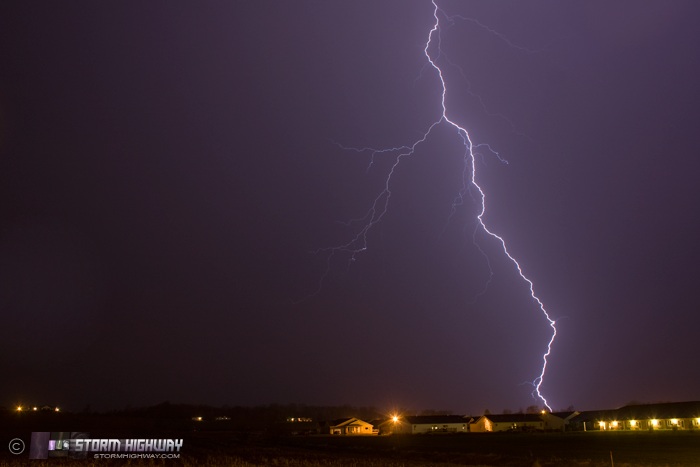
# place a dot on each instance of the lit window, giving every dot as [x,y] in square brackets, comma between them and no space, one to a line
[614,424]
[654,422]
[633,422]
[674,421]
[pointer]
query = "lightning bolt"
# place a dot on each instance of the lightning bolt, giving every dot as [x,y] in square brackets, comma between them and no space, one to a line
[379,207]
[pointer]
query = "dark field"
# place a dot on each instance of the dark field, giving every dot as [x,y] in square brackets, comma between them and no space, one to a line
[488,449]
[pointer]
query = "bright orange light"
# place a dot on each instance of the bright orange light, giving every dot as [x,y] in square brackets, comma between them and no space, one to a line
[674,421]
[395,418]
[654,422]
[633,422]
[35,409]
[56,409]
[614,424]
[601,423]
[19,408]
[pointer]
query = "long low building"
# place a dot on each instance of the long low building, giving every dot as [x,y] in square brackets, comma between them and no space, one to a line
[507,422]
[423,424]
[664,416]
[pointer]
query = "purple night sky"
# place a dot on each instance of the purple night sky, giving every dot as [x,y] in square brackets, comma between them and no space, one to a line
[168,168]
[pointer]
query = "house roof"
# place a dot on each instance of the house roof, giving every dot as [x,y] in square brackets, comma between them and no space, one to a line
[435,419]
[563,415]
[513,417]
[348,421]
[340,421]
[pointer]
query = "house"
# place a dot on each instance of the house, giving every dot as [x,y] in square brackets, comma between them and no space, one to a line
[422,424]
[663,416]
[350,426]
[508,422]
[558,421]
[376,425]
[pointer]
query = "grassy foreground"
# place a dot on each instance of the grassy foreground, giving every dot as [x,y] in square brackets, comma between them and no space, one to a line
[593,449]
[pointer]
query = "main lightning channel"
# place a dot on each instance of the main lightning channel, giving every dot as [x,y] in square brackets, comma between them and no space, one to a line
[379,207]
[469,146]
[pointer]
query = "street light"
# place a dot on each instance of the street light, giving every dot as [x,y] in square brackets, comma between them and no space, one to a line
[395,421]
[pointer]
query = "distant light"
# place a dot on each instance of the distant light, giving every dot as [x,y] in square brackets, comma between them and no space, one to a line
[654,422]
[197,419]
[56,409]
[698,420]
[614,424]
[35,409]
[19,408]
[395,418]
[633,422]
[674,421]
[544,411]
[601,424]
